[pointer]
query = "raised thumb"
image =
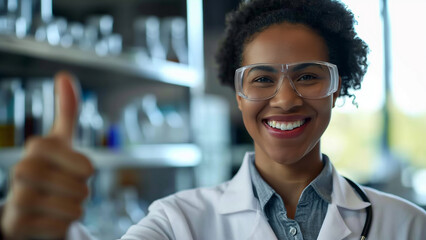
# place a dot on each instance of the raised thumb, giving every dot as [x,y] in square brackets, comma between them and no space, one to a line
[66,106]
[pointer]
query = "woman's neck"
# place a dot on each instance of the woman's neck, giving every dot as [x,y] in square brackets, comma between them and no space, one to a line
[290,179]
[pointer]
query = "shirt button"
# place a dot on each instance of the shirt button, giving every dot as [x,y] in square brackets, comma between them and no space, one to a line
[293,231]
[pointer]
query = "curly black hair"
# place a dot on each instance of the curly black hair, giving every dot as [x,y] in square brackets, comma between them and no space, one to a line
[329,18]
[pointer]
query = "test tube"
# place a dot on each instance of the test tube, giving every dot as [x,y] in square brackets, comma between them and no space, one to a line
[46,10]
[147,35]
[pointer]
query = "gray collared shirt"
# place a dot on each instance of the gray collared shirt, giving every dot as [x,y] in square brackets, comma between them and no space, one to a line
[310,211]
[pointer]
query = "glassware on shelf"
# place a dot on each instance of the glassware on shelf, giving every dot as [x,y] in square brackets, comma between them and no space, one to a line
[100,210]
[114,136]
[91,124]
[90,36]
[166,39]
[55,30]
[46,10]
[147,36]
[52,32]
[43,15]
[76,30]
[7,24]
[11,112]
[115,44]
[176,124]
[24,19]
[106,42]
[173,38]
[15,17]
[153,125]
[103,27]
[72,35]
[163,39]
[143,121]
[101,219]
[147,122]
[114,204]
[179,39]
[8,16]
[39,106]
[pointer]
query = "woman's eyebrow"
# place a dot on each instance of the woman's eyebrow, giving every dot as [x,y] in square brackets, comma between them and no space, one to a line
[264,68]
[302,66]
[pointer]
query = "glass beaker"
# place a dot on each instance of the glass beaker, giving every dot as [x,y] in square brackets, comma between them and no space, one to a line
[12,100]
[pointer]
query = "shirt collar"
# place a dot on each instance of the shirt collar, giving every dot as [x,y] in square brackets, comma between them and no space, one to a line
[262,191]
[322,184]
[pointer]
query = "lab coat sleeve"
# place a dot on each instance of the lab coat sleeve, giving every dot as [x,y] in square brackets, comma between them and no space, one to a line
[392,214]
[77,231]
[412,217]
[418,229]
[155,226]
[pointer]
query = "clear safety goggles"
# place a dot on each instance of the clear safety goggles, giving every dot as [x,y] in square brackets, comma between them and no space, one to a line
[311,80]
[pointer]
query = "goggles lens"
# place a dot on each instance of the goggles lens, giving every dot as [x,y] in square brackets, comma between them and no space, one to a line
[312,80]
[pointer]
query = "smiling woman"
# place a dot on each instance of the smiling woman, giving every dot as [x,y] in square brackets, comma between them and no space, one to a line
[282,57]
[285,118]
[286,43]
[288,61]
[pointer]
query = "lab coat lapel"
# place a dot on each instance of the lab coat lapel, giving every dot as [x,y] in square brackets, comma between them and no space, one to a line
[239,203]
[238,195]
[333,226]
[262,230]
[345,197]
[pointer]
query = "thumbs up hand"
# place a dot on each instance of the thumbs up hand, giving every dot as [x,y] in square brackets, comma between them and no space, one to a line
[49,183]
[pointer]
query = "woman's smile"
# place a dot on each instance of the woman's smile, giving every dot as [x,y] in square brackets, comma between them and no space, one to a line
[285,126]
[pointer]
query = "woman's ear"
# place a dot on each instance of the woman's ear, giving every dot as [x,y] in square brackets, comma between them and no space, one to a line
[238,97]
[337,93]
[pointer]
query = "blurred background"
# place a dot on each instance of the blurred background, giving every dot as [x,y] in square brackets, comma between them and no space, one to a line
[155,120]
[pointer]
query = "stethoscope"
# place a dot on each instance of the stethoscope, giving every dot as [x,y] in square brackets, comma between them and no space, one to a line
[369,217]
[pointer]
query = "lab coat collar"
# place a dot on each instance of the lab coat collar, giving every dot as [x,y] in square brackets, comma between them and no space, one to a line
[239,191]
[238,196]
[344,195]
[238,199]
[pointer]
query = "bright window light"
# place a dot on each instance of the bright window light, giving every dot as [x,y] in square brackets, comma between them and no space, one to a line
[408,38]
[370,29]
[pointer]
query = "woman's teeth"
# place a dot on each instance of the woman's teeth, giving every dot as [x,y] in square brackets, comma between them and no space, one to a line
[286,126]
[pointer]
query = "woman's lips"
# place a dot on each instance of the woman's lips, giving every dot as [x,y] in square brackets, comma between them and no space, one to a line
[286,129]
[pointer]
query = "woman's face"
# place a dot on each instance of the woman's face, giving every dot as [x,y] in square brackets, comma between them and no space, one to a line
[286,43]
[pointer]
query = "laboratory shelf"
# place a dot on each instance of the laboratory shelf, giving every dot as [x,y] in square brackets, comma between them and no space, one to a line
[157,70]
[149,155]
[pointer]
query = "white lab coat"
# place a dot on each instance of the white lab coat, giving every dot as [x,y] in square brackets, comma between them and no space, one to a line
[230,211]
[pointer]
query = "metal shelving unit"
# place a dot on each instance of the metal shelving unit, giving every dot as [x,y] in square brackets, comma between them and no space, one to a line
[150,155]
[157,70]
[16,55]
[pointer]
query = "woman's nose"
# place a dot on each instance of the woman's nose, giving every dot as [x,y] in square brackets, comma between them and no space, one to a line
[286,97]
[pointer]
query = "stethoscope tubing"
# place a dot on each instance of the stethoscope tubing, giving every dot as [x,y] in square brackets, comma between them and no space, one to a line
[369,210]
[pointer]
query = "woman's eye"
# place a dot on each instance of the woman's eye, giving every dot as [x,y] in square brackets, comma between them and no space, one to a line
[306,77]
[263,80]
